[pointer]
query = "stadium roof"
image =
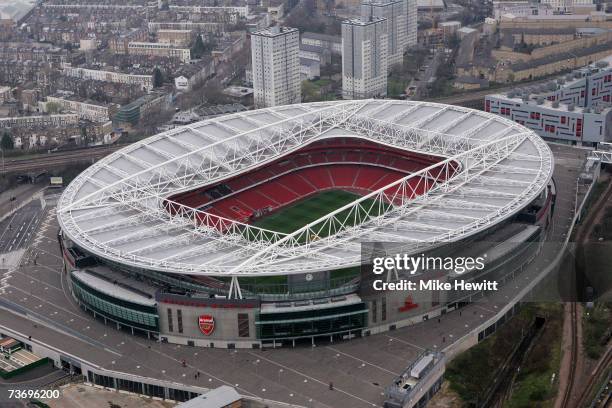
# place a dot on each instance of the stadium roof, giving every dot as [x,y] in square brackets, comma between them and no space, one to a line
[117,208]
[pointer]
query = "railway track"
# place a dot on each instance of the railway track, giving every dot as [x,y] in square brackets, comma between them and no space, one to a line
[55,159]
[582,237]
[567,394]
[600,370]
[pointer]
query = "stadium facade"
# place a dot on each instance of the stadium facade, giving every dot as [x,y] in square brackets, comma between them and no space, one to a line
[246,230]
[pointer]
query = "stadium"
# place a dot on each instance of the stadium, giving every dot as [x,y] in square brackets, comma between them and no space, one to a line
[253,229]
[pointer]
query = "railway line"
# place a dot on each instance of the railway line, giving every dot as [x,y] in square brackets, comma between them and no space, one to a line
[58,159]
[582,237]
[598,373]
[571,378]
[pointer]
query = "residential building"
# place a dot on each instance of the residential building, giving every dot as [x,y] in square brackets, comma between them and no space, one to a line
[181,83]
[131,113]
[5,94]
[119,43]
[412,24]
[160,50]
[180,38]
[276,66]
[395,14]
[313,52]
[364,58]
[553,121]
[569,5]
[237,10]
[86,109]
[332,43]
[276,9]
[144,81]
[196,26]
[573,109]
[39,121]
[309,69]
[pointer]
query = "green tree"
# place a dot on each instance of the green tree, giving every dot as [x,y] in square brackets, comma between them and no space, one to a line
[198,49]
[7,142]
[158,78]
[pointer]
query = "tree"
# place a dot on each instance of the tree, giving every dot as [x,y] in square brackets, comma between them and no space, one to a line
[198,49]
[158,78]
[53,107]
[7,142]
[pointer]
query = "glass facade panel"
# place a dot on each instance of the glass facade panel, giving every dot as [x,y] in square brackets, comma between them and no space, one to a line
[140,316]
[179,319]
[243,325]
[312,322]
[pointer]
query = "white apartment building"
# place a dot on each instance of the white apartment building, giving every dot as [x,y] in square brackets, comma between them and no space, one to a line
[160,50]
[242,11]
[412,24]
[364,58]
[567,5]
[144,81]
[61,120]
[276,66]
[574,109]
[88,110]
[395,13]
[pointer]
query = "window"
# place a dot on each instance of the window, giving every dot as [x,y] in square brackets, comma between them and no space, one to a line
[594,91]
[154,390]
[243,325]
[374,311]
[582,94]
[563,120]
[130,386]
[170,324]
[179,319]
[383,308]
[104,381]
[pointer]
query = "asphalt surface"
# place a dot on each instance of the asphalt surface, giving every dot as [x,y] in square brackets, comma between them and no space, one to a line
[360,369]
[16,230]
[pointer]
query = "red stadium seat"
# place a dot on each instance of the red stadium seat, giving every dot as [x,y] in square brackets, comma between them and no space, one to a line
[350,164]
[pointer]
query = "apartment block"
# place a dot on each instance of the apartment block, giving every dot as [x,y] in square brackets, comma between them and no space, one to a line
[395,14]
[412,23]
[40,121]
[180,38]
[144,81]
[276,66]
[86,109]
[159,50]
[574,109]
[364,58]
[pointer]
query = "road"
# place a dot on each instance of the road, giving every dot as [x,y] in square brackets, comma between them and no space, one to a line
[426,72]
[16,230]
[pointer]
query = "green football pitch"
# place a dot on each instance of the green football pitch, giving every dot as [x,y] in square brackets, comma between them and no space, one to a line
[295,216]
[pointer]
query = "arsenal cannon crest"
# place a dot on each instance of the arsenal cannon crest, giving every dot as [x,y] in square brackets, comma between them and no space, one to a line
[207,324]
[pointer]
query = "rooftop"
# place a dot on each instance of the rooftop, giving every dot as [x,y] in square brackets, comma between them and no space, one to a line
[274,31]
[134,227]
[322,37]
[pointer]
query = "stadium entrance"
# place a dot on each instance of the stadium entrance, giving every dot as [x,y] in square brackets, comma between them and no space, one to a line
[309,320]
